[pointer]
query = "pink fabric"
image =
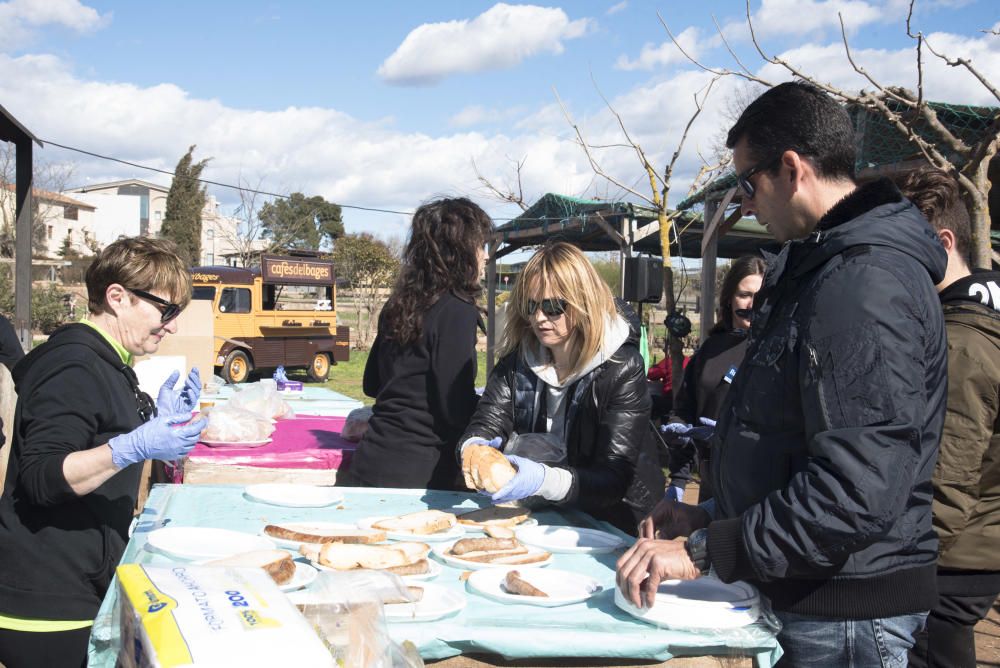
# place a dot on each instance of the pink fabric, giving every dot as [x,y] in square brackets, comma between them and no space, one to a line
[303,442]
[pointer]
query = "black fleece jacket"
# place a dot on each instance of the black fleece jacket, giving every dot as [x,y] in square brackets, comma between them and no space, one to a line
[827,441]
[424,396]
[59,550]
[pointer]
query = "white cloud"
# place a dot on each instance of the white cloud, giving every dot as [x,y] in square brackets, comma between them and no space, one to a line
[812,17]
[19,18]
[614,9]
[476,114]
[499,38]
[653,56]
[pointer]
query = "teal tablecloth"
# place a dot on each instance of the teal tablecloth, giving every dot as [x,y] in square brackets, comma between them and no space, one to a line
[595,628]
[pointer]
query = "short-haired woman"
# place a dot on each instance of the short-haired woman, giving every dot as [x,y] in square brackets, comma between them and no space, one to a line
[708,376]
[571,374]
[422,368]
[82,430]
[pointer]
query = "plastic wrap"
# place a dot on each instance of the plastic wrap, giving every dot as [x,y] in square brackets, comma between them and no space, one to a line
[262,399]
[346,611]
[356,424]
[231,424]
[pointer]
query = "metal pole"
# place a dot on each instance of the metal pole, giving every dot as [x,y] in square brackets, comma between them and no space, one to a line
[24,208]
[491,305]
[708,262]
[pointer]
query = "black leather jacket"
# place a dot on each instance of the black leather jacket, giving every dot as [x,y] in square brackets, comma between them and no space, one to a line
[610,450]
[826,443]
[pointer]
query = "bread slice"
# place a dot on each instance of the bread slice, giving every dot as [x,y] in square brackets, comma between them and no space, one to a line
[419,523]
[345,557]
[515,584]
[507,558]
[277,563]
[494,531]
[307,533]
[495,516]
[493,470]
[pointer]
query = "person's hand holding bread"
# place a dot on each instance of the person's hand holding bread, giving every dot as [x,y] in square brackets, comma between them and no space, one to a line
[484,467]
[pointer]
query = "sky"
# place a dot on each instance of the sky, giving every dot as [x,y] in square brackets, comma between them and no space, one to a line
[388,104]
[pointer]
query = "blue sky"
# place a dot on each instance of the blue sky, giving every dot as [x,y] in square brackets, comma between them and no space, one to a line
[389,103]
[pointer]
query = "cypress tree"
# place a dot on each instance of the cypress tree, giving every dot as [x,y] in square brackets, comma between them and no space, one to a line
[185,201]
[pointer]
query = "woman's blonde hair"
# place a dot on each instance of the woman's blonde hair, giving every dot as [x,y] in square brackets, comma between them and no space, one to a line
[560,271]
[138,263]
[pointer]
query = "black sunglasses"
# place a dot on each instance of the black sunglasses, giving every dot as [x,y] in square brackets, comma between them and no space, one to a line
[169,310]
[744,179]
[551,307]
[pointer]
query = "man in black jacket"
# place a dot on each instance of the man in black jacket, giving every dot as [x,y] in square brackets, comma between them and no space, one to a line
[827,441]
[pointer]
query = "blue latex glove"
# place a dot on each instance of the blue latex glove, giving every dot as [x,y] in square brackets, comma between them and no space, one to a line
[475,440]
[159,438]
[525,483]
[676,433]
[179,402]
[704,432]
[279,374]
[674,493]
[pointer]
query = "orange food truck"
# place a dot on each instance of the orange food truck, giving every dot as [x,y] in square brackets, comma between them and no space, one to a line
[280,314]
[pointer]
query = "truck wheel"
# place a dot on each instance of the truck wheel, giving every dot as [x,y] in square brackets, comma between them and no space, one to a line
[237,367]
[319,370]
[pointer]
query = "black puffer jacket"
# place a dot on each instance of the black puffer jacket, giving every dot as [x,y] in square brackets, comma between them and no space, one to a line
[827,441]
[610,451]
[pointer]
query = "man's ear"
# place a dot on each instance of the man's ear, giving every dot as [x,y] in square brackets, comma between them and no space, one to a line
[947,238]
[798,168]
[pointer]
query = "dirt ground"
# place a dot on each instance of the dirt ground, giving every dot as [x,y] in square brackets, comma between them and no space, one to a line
[987,631]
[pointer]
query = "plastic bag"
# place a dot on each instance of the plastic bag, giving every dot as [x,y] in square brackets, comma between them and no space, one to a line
[262,399]
[346,611]
[231,424]
[541,448]
[356,424]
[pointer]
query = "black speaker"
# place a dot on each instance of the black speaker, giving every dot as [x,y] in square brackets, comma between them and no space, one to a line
[643,280]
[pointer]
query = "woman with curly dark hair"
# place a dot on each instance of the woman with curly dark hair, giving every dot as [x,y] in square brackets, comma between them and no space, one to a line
[422,367]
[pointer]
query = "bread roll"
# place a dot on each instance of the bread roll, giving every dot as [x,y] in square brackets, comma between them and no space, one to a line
[277,563]
[493,470]
[419,523]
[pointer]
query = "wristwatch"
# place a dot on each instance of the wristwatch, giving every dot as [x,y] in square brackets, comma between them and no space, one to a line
[697,548]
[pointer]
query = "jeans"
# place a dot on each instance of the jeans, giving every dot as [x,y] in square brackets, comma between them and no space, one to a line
[818,641]
[949,641]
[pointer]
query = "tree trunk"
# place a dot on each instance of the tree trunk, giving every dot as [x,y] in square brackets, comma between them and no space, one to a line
[979,213]
[673,347]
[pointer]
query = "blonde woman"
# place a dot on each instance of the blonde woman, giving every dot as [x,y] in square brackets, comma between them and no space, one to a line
[568,402]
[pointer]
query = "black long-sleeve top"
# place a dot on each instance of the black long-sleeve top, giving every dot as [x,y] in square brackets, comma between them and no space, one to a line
[424,397]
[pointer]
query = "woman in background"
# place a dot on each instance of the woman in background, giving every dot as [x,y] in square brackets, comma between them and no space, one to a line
[571,383]
[708,376]
[422,368]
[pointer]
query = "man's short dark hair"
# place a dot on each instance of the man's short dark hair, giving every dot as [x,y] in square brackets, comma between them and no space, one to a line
[796,116]
[936,194]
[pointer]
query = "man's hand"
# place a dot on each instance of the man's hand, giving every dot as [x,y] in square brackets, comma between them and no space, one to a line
[647,563]
[671,519]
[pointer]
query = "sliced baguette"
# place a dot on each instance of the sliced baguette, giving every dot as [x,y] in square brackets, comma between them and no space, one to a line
[306,533]
[419,523]
[343,556]
[277,563]
[515,584]
[493,470]
[494,531]
[495,516]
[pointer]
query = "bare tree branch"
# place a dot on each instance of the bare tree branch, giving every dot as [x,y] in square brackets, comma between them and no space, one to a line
[699,106]
[967,64]
[863,72]
[508,194]
[729,48]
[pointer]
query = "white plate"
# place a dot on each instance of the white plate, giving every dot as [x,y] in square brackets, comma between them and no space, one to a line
[481,528]
[569,539]
[562,587]
[441,552]
[304,574]
[296,544]
[438,601]
[704,603]
[453,533]
[294,496]
[433,570]
[191,543]
[236,444]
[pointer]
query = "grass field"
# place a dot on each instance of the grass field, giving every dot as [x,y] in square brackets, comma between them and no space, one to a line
[346,377]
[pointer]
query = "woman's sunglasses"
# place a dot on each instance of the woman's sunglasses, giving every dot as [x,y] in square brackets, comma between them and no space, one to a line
[169,310]
[551,307]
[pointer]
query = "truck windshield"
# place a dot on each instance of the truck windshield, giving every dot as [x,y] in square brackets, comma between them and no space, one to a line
[298,297]
[206,292]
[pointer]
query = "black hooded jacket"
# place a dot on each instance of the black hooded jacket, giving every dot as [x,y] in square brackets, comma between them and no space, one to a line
[610,451]
[58,550]
[827,441]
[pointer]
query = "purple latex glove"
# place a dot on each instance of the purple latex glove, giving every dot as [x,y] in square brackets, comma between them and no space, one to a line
[704,432]
[525,483]
[676,433]
[160,438]
[179,402]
